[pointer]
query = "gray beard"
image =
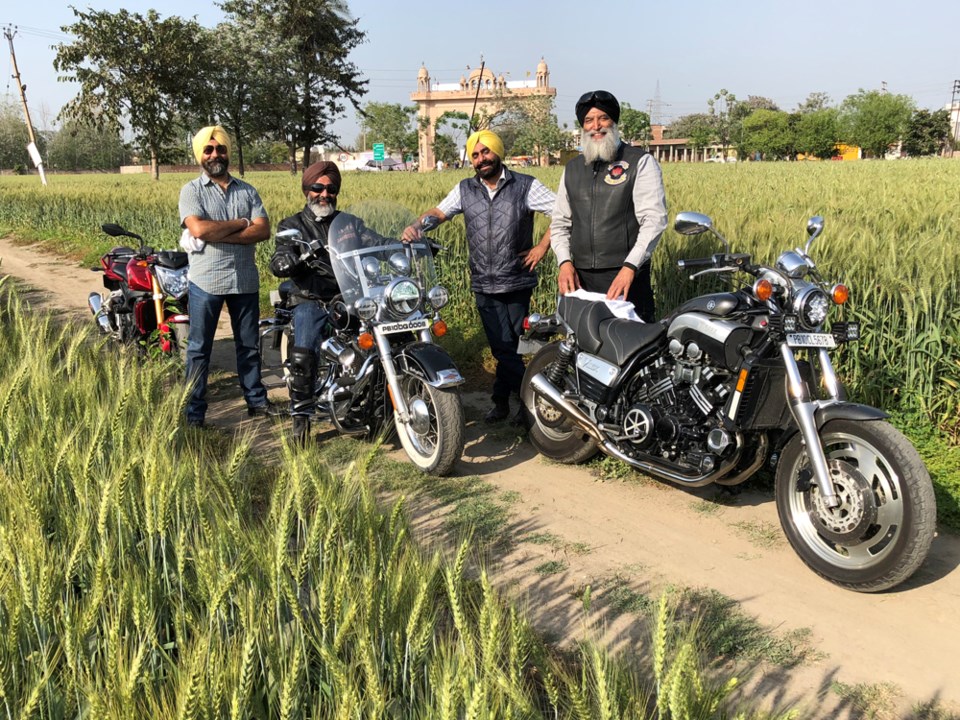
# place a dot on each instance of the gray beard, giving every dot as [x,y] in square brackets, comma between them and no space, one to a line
[321,210]
[604,150]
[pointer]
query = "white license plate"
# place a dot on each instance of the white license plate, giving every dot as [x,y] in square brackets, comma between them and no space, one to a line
[405,326]
[817,340]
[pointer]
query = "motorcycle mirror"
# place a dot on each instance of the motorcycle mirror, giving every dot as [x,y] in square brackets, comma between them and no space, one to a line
[692,223]
[291,233]
[114,230]
[814,228]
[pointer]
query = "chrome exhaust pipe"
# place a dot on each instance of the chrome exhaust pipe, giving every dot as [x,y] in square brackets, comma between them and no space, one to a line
[549,392]
[95,301]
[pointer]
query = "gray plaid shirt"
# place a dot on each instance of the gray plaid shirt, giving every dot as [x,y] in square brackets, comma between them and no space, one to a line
[222,268]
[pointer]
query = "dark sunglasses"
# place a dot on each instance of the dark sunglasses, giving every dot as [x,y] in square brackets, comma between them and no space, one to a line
[320,187]
[594,95]
[220,149]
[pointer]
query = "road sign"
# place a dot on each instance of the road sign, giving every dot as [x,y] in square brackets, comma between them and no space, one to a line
[378,152]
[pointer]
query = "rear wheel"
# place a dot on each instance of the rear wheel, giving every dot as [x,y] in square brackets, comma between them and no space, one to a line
[882,530]
[551,433]
[433,438]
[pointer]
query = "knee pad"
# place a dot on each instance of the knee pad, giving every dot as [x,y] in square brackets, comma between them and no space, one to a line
[302,363]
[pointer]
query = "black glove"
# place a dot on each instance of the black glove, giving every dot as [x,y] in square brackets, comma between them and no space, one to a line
[283,262]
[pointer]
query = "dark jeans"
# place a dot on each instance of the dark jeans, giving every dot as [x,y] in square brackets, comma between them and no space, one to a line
[309,319]
[502,317]
[244,313]
[640,293]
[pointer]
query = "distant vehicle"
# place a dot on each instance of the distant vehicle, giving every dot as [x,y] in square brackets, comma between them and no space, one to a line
[719,159]
[386,165]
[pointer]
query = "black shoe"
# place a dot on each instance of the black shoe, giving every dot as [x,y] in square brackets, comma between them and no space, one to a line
[195,422]
[265,410]
[499,411]
[301,430]
[520,420]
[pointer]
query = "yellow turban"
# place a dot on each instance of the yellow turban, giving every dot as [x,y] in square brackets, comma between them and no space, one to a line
[488,138]
[215,133]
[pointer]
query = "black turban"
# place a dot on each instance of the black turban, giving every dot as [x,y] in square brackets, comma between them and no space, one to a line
[601,100]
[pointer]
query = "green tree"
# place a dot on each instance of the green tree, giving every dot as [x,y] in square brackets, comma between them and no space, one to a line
[14,138]
[875,120]
[458,124]
[688,126]
[727,118]
[142,69]
[768,132]
[927,132]
[80,146]
[634,124]
[818,132]
[392,124]
[312,40]
[538,133]
[815,102]
[445,149]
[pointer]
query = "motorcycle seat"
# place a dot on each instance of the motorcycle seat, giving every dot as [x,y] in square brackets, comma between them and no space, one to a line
[621,339]
[173,259]
[585,317]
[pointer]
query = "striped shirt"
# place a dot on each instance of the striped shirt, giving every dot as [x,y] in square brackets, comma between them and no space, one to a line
[222,268]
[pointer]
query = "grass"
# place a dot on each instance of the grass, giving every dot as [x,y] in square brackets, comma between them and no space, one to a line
[871,701]
[760,533]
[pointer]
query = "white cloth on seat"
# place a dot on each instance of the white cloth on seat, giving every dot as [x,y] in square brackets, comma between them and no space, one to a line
[621,308]
[191,244]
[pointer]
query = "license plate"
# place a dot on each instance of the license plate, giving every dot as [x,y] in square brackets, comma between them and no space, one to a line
[817,340]
[405,326]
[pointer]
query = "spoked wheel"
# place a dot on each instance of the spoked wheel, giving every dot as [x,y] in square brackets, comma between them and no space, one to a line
[550,432]
[882,530]
[434,436]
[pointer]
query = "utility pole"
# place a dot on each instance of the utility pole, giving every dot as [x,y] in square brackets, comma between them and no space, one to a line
[9,32]
[955,114]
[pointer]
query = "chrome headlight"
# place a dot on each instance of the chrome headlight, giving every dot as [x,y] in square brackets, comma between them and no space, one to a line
[438,297]
[403,296]
[366,308]
[812,305]
[173,282]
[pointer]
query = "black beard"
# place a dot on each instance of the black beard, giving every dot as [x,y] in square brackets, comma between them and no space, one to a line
[216,167]
[488,172]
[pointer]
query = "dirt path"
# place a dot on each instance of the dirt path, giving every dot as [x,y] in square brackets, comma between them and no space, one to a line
[651,535]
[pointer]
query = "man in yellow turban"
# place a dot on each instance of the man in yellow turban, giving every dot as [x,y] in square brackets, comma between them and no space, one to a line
[498,206]
[228,215]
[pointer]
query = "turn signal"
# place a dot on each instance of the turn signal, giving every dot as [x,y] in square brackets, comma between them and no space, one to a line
[439,328]
[841,293]
[365,341]
[763,289]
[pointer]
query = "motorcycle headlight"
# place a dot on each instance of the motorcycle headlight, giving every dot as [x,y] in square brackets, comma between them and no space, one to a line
[173,282]
[366,308]
[812,306]
[438,297]
[403,296]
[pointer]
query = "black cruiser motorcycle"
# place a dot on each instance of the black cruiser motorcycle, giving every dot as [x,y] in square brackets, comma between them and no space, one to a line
[730,382]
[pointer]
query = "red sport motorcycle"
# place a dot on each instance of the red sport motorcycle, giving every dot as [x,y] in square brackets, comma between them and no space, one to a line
[146,299]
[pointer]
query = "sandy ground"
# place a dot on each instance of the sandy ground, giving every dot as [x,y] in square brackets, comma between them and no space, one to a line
[653,536]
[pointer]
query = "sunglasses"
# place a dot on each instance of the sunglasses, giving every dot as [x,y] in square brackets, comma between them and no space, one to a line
[320,187]
[594,95]
[220,149]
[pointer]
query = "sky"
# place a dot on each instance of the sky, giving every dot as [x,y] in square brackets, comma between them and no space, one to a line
[689,49]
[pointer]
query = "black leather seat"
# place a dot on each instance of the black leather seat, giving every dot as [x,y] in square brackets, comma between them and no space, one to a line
[621,339]
[585,317]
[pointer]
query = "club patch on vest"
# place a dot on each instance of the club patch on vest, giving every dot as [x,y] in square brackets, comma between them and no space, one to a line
[616,173]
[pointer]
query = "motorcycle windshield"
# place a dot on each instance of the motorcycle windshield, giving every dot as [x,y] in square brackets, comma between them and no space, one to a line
[372,265]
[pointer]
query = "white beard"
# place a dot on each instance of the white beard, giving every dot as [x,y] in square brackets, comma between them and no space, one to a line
[604,149]
[322,210]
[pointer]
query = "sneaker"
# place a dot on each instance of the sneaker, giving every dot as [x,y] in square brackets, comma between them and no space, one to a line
[268,409]
[499,411]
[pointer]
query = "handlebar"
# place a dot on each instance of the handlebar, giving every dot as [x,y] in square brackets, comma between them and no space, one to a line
[696,263]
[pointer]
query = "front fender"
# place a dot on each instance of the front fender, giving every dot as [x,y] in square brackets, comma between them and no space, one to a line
[433,361]
[847,411]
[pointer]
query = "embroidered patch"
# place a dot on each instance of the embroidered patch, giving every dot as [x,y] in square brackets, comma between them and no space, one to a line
[616,173]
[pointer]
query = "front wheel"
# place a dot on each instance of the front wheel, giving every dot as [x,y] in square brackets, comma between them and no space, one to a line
[434,435]
[550,432]
[882,530]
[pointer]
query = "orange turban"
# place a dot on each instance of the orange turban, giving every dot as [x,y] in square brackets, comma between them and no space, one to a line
[215,133]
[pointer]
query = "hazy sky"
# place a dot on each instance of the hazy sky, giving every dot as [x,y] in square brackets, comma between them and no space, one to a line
[781,49]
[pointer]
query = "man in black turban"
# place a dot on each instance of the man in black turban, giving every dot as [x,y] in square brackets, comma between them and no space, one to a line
[610,211]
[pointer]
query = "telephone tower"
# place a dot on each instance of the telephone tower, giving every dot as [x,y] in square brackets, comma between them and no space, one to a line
[655,107]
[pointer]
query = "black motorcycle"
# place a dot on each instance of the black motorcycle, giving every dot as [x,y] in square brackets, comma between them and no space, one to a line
[716,390]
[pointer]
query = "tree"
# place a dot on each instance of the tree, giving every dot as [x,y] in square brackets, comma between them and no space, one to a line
[695,125]
[726,119]
[537,131]
[818,132]
[312,39]
[14,138]
[134,68]
[757,102]
[390,123]
[767,132]
[80,146]
[459,123]
[815,102]
[927,132]
[445,149]
[875,120]
[634,125]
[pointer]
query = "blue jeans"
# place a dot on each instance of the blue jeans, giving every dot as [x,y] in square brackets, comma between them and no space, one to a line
[309,319]
[502,317]
[244,310]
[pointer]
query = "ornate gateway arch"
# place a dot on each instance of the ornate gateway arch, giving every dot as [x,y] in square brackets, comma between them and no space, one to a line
[434,99]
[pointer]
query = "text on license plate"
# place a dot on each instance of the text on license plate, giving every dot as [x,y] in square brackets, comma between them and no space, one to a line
[405,326]
[819,340]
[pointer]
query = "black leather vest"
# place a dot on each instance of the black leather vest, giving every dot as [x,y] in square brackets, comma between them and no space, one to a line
[604,224]
[498,231]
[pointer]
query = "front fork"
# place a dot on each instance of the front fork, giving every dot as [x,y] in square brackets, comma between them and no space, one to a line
[390,370]
[804,408]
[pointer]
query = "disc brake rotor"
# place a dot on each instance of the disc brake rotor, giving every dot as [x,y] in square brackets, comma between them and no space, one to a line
[851,520]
